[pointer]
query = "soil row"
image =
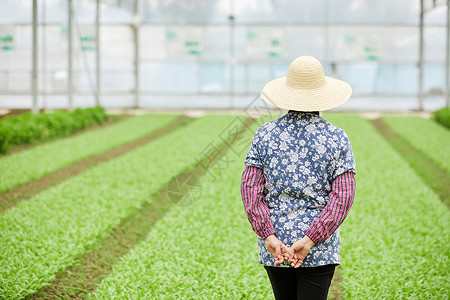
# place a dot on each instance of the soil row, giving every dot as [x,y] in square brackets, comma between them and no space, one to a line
[431,174]
[26,191]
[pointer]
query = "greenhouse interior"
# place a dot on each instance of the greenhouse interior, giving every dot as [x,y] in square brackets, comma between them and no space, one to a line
[227,149]
[202,54]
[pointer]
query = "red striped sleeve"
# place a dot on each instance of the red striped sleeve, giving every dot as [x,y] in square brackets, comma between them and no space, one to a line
[252,186]
[331,217]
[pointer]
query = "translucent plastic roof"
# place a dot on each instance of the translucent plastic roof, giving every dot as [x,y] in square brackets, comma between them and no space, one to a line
[215,50]
[383,12]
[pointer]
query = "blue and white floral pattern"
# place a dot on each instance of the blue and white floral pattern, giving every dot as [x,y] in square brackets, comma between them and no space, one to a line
[301,153]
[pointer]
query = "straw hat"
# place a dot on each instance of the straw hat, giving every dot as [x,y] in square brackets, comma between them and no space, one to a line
[306,88]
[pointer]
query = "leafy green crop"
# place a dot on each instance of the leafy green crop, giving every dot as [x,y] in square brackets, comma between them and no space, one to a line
[425,135]
[22,167]
[42,236]
[442,116]
[394,240]
[28,128]
[396,236]
[204,251]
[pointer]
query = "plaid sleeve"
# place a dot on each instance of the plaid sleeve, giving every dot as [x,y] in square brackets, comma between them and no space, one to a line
[252,185]
[337,208]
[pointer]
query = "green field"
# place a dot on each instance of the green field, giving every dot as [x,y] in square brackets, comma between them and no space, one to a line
[394,240]
[32,164]
[427,136]
[396,237]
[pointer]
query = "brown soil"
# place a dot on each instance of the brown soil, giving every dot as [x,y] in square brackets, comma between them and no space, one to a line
[17,111]
[82,278]
[335,291]
[10,198]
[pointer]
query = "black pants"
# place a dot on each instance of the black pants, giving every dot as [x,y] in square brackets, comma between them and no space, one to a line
[303,283]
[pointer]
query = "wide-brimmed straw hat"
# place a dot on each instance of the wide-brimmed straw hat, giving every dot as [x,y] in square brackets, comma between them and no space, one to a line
[306,88]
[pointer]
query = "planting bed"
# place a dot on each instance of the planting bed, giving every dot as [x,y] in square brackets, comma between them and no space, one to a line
[203,251]
[22,167]
[427,136]
[394,240]
[41,236]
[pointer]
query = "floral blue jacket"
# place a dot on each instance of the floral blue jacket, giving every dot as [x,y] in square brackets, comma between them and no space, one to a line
[301,153]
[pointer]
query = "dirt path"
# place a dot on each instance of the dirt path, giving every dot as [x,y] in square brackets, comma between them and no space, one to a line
[26,191]
[335,290]
[431,174]
[80,279]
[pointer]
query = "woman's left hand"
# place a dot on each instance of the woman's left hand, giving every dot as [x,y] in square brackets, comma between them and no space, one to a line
[276,248]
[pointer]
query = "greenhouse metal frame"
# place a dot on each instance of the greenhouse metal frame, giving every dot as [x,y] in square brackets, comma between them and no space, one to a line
[231,62]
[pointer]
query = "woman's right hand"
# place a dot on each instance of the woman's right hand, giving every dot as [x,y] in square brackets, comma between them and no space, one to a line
[278,250]
[300,250]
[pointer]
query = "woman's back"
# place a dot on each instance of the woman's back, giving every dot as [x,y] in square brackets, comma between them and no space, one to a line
[301,153]
[298,184]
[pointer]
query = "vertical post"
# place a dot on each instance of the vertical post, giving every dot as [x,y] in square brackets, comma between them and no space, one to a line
[421,56]
[97,51]
[135,26]
[326,30]
[232,59]
[44,54]
[448,53]
[69,56]
[34,76]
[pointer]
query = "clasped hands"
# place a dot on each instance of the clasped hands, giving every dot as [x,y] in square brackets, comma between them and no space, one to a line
[294,254]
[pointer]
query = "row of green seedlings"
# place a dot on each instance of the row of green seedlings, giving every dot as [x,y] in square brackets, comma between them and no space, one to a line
[213,251]
[25,166]
[42,236]
[390,248]
[425,135]
[203,251]
[442,116]
[29,128]
[360,147]
[396,236]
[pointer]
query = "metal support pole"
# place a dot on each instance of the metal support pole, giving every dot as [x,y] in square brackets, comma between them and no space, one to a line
[69,31]
[135,28]
[34,77]
[448,53]
[421,56]
[232,59]
[97,53]
[44,55]
[326,33]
